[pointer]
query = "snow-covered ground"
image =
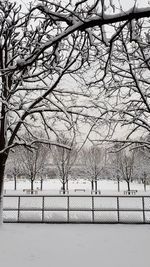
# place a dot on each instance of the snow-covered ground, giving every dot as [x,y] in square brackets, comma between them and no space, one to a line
[54,186]
[72,245]
[36,245]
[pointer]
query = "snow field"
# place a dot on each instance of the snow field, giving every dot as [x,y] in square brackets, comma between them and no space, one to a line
[82,245]
[54,185]
[36,245]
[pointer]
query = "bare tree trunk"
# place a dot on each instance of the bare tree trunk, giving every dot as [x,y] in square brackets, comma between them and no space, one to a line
[63,186]
[118,184]
[145,186]
[2,168]
[32,186]
[1,197]
[95,185]
[67,187]
[41,184]
[92,185]
[128,184]
[15,182]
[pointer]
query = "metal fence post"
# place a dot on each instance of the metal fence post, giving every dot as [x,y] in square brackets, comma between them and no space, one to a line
[93,220]
[118,214]
[43,208]
[143,206]
[68,208]
[19,208]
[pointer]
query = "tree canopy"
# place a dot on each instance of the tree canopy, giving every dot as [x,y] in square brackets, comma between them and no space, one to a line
[102,47]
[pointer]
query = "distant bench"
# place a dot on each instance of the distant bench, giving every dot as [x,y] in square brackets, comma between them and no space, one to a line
[79,190]
[130,192]
[95,192]
[29,191]
[63,191]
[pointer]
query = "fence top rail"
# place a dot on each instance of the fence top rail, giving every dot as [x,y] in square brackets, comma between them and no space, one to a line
[78,195]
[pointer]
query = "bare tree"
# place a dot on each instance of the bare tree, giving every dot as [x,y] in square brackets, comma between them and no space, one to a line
[31,67]
[124,91]
[34,161]
[125,164]
[64,159]
[115,156]
[144,180]
[142,168]
[14,166]
[94,159]
[37,49]
[127,167]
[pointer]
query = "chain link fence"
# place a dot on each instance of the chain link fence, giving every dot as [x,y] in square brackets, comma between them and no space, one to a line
[76,209]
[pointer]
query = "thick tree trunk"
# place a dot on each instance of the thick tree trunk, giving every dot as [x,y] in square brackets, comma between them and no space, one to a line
[1,196]
[92,185]
[2,169]
[128,184]
[63,188]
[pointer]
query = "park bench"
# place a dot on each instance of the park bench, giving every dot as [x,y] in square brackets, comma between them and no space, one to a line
[96,192]
[79,190]
[62,191]
[130,192]
[28,191]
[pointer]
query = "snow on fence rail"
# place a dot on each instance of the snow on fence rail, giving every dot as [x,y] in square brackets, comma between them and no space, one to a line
[76,209]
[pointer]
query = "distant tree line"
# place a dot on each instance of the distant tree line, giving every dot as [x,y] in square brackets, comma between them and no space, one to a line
[92,163]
